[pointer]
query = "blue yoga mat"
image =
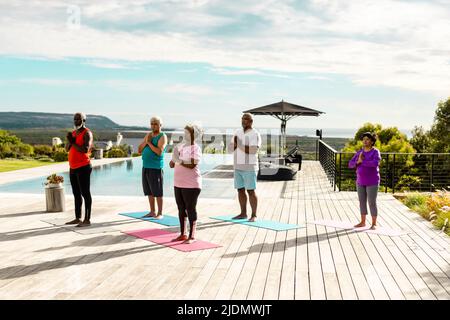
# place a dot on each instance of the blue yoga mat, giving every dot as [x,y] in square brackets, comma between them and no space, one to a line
[166,220]
[266,224]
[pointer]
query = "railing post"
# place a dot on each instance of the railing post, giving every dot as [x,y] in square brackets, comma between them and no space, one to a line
[432,173]
[386,176]
[317,149]
[340,170]
[393,175]
[335,170]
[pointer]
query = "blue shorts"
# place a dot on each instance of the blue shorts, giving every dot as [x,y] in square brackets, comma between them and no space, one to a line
[245,179]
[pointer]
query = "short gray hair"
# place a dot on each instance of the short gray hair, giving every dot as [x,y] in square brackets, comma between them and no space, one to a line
[248,115]
[198,131]
[82,115]
[156,118]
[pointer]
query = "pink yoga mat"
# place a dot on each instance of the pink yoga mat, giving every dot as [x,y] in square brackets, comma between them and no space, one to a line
[349,226]
[164,238]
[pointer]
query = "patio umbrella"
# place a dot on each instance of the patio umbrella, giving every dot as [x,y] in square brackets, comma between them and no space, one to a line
[284,111]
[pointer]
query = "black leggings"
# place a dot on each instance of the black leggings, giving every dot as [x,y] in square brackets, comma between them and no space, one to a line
[80,179]
[186,199]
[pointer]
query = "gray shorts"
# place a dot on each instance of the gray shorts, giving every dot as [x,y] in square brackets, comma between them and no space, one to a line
[152,182]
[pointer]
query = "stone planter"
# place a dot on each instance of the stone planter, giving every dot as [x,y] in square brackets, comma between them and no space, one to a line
[54,185]
[54,197]
[98,154]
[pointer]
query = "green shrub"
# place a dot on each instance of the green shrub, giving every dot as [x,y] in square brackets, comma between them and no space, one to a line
[25,158]
[5,150]
[408,182]
[434,207]
[213,150]
[5,137]
[415,199]
[348,185]
[12,147]
[443,221]
[116,153]
[44,158]
[43,150]
[60,155]
[25,149]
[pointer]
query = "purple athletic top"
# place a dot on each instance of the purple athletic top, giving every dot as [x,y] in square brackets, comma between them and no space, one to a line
[367,173]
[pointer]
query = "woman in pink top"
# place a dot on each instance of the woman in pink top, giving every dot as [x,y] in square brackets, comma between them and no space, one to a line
[187,181]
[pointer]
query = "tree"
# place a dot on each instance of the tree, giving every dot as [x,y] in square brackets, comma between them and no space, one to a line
[437,139]
[421,140]
[12,147]
[5,137]
[440,131]
[390,139]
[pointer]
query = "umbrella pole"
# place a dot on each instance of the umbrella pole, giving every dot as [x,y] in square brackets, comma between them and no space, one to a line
[280,153]
[283,137]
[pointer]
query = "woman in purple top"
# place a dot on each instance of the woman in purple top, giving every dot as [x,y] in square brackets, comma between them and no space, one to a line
[366,162]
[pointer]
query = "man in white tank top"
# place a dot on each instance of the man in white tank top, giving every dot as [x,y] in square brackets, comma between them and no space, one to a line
[245,145]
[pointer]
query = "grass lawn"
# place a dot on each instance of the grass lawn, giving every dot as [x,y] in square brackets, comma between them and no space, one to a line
[13,164]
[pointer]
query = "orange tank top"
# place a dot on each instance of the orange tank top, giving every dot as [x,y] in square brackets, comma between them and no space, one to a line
[79,159]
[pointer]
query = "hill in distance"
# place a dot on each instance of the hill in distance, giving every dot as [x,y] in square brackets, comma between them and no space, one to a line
[41,120]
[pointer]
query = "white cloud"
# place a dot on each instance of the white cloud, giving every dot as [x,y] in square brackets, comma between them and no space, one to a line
[53,82]
[228,72]
[108,65]
[181,89]
[247,83]
[244,72]
[389,43]
[188,70]
[192,90]
[320,78]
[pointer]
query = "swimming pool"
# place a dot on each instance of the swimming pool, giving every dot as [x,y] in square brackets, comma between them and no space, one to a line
[124,179]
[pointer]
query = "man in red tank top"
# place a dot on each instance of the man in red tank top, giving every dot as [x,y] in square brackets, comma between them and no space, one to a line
[79,145]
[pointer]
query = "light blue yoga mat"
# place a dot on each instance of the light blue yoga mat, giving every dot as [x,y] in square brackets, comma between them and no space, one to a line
[166,220]
[266,224]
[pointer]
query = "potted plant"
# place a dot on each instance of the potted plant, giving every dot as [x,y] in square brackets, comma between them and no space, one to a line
[54,181]
[54,193]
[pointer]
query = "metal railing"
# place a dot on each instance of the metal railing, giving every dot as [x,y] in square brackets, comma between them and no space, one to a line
[398,171]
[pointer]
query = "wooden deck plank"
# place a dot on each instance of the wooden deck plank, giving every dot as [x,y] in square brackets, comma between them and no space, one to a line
[421,252]
[259,283]
[346,283]
[41,261]
[378,265]
[273,281]
[287,282]
[247,273]
[399,242]
[316,281]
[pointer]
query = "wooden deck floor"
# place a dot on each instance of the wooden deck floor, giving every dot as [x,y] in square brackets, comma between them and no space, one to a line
[41,261]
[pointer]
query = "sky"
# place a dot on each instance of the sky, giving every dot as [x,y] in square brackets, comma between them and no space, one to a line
[206,61]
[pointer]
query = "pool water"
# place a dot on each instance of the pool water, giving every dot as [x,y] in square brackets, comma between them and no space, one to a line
[125,179]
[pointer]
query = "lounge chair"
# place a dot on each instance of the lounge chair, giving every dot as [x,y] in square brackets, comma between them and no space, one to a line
[275,172]
[294,156]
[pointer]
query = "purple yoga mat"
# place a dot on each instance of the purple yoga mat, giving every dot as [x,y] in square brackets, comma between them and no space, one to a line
[164,238]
